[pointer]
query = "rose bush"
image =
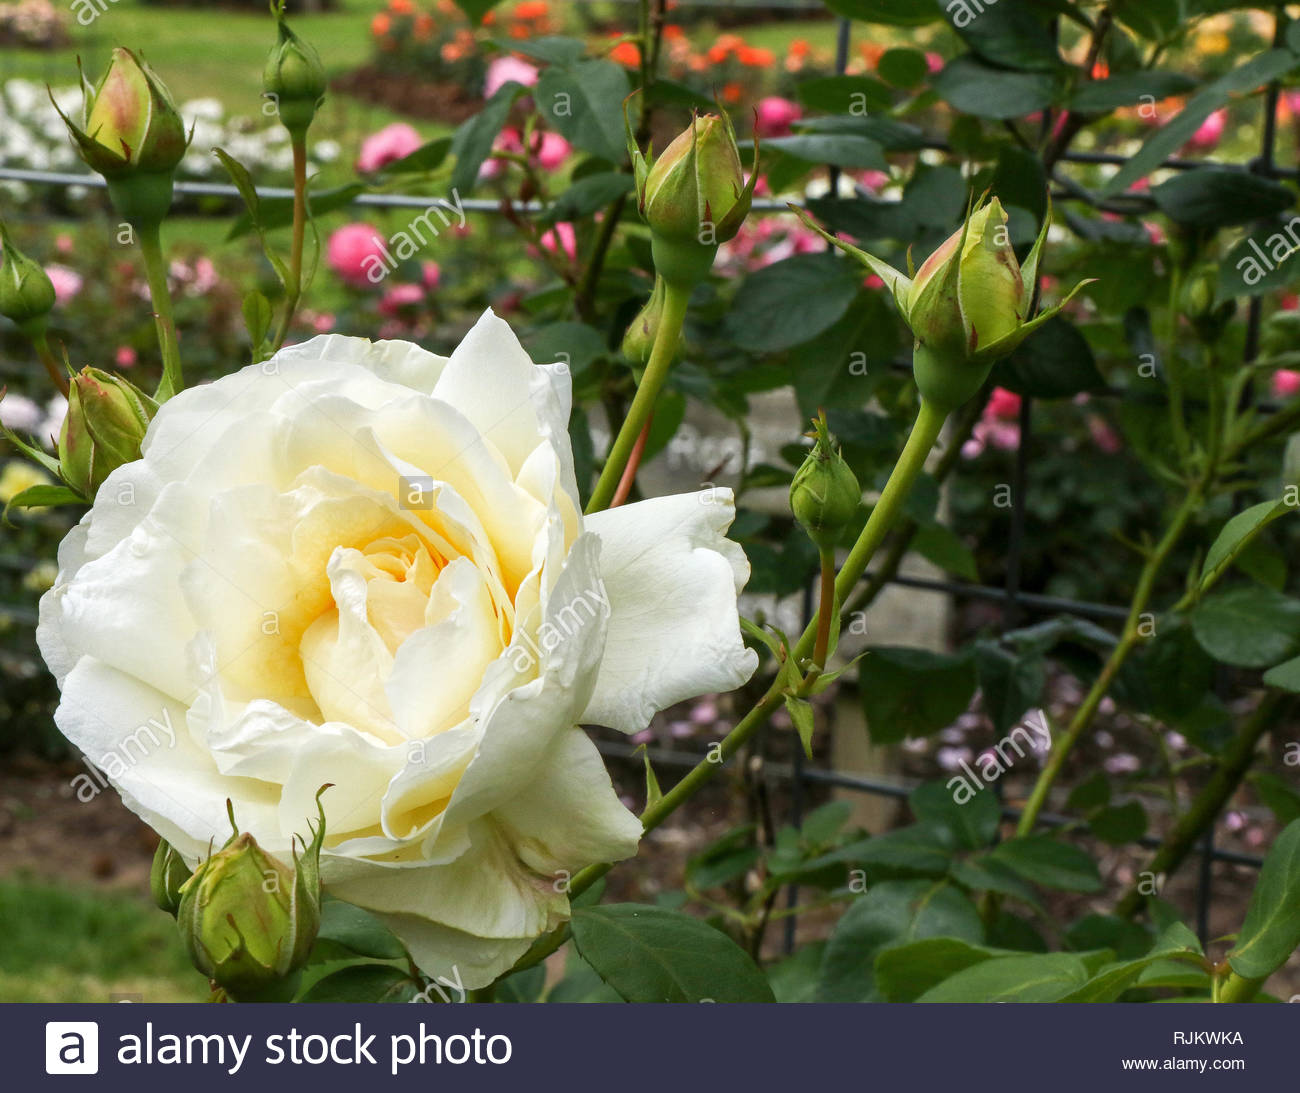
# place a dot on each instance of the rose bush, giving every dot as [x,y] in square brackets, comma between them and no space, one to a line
[364,565]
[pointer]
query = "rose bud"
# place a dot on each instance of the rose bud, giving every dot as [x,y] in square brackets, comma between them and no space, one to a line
[26,291]
[133,135]
[967,306]
[105,423]
[824,495]
[694,196]
[1198,301]
[166,876]
[294,78]
[640,337]
[248,920]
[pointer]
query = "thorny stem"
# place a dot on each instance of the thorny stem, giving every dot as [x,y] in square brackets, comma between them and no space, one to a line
[47,358]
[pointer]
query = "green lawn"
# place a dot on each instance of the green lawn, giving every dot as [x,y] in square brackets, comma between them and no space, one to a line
[65,944]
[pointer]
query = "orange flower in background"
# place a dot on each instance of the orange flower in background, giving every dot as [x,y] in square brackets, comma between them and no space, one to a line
[380,25]
[871,53]
[627,54]
[673,33]
[799,48]
[752,57]
[724,47]
[532,9]
[401,7]
[1100,71]
[423,27]
[732,92]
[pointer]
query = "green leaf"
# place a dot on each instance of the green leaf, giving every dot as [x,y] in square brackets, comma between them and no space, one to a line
[1217,197]
[905,972]
[801,713]
[589,195]
[914,692]
[982,875]
[1261,263]
[823,823]
[1154,19]
[903,67]
[1010,682]
[1044,977]
[973,87]
[1120,824]
[1128,89]
[580,983]
[791,301]
[651,955]
[427,157]
[1009,35]
[257,319]
[358,931]
[968,826]
[363,983]
[1249,627]
[1237,534]
[553,49]
[1168,139]
[943,547]
[835,149]
[840,94]
[795,978]
[1271,932]
[584,101]
[43,496]
[890,913]
[912,850]
[1094,793]
[1055,361]
[1048,862]
[524,986]
[471,144]
[475,10]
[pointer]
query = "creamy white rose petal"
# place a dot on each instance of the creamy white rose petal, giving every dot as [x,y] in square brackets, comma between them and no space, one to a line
[362,564]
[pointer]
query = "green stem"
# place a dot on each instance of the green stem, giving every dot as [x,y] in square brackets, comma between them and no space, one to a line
[1236,988]
[1129,639]
[155,269]
[51,364]
[293,290]
[661,359]
[825,610]
[1231,769]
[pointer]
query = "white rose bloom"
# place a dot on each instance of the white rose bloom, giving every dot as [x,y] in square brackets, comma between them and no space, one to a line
[365,565]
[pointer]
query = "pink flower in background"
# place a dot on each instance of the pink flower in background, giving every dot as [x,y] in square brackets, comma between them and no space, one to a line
[562,237]
[504,69]
[934,62]
[1210,132]
[63,243]
[1003,405]
[391,143]
[399,297]
[774,115]
[551,150]
[67,282]
[351,250]
[875,181]
[1285,383]
[430,275]
[125,357]
[1106,439]
[507,141]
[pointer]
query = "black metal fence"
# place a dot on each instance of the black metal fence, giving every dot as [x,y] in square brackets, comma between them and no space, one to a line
[1015,601]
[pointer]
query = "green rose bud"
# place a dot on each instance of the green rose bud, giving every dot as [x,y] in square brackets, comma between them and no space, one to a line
[26,291]
[294,78]
[106,421]
[1199,303]
[694,196]
[133,135]
[1281,333]
[248,920]
[825,494]
[968,304]
[166,876]
[640,337]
